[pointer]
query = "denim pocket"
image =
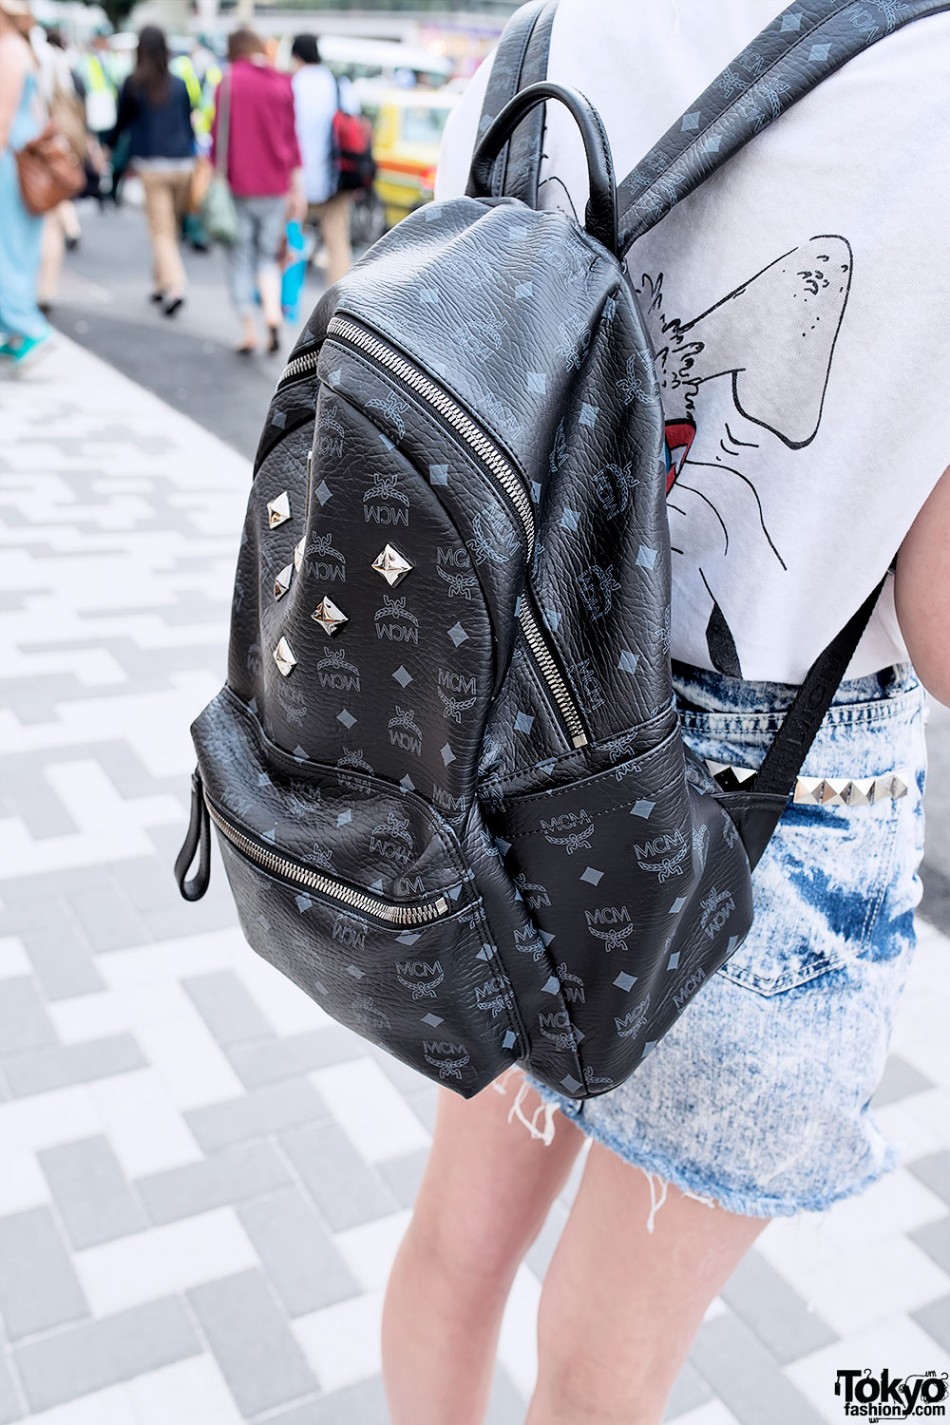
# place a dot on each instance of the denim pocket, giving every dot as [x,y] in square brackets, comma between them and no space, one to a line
[819,887]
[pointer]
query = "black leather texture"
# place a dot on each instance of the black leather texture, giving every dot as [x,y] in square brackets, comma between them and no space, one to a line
[457,810]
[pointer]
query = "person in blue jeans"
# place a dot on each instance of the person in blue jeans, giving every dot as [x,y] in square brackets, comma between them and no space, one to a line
[25,330]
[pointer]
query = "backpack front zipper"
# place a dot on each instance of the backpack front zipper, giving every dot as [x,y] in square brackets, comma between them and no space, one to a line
[489,457]
[347,896]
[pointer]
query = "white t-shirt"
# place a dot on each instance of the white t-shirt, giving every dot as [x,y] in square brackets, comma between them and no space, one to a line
[799,305]
[315,103]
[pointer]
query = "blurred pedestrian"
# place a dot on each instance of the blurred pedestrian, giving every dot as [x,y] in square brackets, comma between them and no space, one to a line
[66,108]
[317,97]
[25,330]
[96,75]
[255,109]
[155,111]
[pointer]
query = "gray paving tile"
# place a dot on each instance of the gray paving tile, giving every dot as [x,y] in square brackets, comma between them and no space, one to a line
[899,1080]
[62,960]
[934,1238]
[144,879]
[403,1175]
[689,1392]
[86,1358]
[424,1104]
[268,1061]
[935,1319]
[224,1178]
[252,1343]
[746,1376]
[266,1110]
[775,1312]
[90,1191]
[302,1262]
[345,1189]
[227,1008]
[934,1172]
[38,1287]
[360,1404]
[10,1408]
[505,1405]
[46,1069]
[109,921]
[24,1023]
[407,1080]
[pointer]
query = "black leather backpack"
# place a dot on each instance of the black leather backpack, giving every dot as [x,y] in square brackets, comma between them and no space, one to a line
[453,799]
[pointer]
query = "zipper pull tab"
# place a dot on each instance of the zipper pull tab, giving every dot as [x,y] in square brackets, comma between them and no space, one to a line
[197,839]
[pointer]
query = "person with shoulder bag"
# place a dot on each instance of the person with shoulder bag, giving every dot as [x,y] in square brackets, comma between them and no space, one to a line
[572,746]
[255,151]
[26,332]
[155,113]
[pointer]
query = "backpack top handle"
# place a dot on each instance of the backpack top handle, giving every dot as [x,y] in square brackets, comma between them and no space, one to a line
[600,218]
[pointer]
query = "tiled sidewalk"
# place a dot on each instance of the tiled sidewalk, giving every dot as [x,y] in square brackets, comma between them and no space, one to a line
[202,1179]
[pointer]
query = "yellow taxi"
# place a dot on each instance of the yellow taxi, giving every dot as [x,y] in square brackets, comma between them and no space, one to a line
[407,132]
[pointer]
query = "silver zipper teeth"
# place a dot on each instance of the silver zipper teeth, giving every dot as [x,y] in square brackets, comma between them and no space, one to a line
[491,457]
[450,410]
[314,881]
[298,367]
[551,675]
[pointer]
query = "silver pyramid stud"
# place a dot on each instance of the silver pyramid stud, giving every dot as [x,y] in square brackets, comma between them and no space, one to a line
[278,510]
[858,792]
[284,657]
[282,581]
[805,788]
[298,553]
[392,566]
[328,616]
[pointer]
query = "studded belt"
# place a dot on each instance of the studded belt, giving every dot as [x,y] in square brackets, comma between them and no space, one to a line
[822,791]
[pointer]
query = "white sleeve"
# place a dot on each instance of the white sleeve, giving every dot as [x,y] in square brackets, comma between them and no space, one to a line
[461,132]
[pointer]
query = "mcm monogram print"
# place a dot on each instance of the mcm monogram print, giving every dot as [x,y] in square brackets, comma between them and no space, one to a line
[688,988]
[480,339]
[700,846]
[529,942]
[632,1022]
[457,693]
[331,433]
[349,932]
[717,907]
[396,622]
[239,802]
[460,585]
[370,1017]
[321,857]
[558,449]
[572,986]
[572,830]
[303,797]
[324,562]
[405,732]
[356,762]
[620,750]
[385,503]
[392,410]
[663,857]
[588,686]
[556,1026]
[533,895]
[392,839]
[572,346]
[334,671]
[594,1081]
[492,539]
[292,704]
[730,832]
[611,486]
[597,588]
[420,977]
[494,995]
[639,382]
[450,1059]
[452,807]
[610,924]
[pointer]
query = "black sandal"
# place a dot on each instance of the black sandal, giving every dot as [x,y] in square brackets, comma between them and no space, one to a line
[274,343]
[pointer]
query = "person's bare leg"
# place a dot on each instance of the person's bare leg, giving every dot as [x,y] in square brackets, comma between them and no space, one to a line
[621,1305]
[486,1192]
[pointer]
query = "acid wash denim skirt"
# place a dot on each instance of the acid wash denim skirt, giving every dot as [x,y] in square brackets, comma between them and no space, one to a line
[758,1097]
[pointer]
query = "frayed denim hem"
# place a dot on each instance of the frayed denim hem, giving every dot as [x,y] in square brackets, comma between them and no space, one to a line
[713,1194]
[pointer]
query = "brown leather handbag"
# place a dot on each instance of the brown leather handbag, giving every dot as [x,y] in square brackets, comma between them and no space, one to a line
[49,171]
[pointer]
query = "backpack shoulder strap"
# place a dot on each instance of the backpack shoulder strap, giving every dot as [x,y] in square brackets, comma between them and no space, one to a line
[792,55]
[521,59]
